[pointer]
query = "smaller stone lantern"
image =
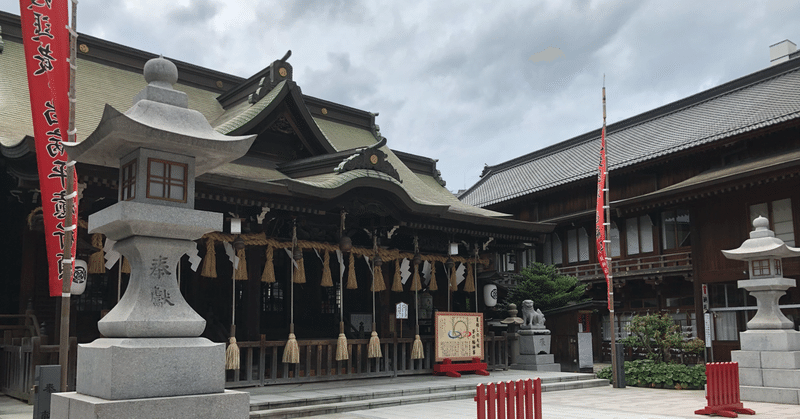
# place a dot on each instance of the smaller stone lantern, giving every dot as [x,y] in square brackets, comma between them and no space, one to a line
[769,361]
[763,253]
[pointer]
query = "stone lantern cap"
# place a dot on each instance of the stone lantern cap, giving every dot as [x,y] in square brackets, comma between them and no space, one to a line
[762,244]
[160,120]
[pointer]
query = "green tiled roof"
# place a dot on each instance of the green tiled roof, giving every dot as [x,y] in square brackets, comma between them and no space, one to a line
[345,137]
[97,84]
[243,113]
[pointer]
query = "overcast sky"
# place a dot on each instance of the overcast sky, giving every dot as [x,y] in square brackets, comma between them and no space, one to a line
[466,82]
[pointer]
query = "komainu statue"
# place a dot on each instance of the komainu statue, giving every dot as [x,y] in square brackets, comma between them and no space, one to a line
[532,319]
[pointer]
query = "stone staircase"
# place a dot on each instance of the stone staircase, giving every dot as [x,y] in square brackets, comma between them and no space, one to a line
[374,397]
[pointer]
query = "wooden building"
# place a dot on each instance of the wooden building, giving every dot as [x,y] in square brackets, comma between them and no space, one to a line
[686,181]
[316,165]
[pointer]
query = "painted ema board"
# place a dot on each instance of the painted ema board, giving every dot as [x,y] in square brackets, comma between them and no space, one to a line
[459,336]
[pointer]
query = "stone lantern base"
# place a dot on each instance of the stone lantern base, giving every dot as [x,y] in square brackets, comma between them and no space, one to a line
[229,404]
[151,377]
[769,366]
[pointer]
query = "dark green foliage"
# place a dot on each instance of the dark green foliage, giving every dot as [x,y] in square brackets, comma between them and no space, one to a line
[546,287]
[648,373]
[658,334]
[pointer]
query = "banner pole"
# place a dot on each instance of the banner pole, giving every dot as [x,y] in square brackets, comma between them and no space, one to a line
[612,316]
[68,263]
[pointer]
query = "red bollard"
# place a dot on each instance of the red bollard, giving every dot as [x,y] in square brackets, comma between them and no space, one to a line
[520,400]
[722,391]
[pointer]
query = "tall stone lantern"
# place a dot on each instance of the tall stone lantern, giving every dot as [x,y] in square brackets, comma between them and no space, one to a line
[152,356]
[769,361]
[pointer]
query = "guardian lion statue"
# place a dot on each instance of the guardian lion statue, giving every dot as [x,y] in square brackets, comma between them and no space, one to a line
[531,319]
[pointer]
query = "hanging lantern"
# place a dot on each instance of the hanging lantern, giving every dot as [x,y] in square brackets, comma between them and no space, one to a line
[238,243]
[449,264]
[490,295]
[345,244]
[79,278]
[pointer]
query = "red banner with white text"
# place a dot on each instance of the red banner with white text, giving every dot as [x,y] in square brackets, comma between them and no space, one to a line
[46,42]
[600,227]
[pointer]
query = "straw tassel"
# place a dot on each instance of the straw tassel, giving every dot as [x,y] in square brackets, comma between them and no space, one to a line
[416,284]
[232,355]
[241,268]
[416,351]
[469,283]
[433,286]
[210,260]
[342,354]
[453,279]
[397,283]
[300,273]
[291,353]
[327,279]
[126,266]
[269,268]
[352,283]
[378,283]
[97,262]
[374,347]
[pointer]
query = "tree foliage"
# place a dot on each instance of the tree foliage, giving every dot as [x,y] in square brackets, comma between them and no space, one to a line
[546,287]
[657,334]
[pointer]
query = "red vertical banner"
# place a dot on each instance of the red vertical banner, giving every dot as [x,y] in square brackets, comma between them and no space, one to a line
[46,42]
[600,218]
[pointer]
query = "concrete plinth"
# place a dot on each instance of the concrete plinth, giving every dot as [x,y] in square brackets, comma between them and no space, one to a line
[769,366]
[534,342]
[534,352]
[536,363]
[227,404]
[116,369]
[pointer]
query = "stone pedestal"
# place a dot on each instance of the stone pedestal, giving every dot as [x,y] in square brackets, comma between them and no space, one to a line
[116,369]
[228,404]
[769,366]
[534,352]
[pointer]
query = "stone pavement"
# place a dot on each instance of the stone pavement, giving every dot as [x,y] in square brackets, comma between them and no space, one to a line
[588,403]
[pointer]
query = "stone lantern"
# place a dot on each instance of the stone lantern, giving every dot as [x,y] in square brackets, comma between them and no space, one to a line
[769,359]
[151,355]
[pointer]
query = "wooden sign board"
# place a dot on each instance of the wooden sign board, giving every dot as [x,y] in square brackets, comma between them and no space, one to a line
[401,311]
[458,336]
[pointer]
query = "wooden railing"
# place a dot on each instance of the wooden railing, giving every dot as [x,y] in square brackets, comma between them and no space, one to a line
[261,361]
[18,361]
[655,264]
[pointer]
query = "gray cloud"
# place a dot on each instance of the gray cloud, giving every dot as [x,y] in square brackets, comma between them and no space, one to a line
[466,82]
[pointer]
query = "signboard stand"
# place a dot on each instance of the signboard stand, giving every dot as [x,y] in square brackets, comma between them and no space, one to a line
[459,337]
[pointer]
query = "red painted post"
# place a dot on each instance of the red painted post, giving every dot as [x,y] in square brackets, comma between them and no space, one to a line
[492,405]
[511,392]
[521,394]
[501,401]
[537,398]
[481,399]
[529,399]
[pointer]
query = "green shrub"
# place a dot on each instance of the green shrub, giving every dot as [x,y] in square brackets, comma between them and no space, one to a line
[648,373]
[658,335]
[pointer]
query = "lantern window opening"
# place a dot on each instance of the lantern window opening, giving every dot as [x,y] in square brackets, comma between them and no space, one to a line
[128,183]
[760,267]
[166,180]
[778,267]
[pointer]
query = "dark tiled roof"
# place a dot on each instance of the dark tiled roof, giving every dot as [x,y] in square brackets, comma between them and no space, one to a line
[761,99]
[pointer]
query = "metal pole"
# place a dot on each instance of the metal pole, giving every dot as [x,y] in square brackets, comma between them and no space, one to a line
[68,258]
[612,316]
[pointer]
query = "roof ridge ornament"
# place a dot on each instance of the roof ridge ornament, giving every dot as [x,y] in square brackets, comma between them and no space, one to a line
[370,158]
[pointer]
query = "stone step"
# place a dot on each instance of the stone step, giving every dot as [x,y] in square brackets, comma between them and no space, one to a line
[388,398]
